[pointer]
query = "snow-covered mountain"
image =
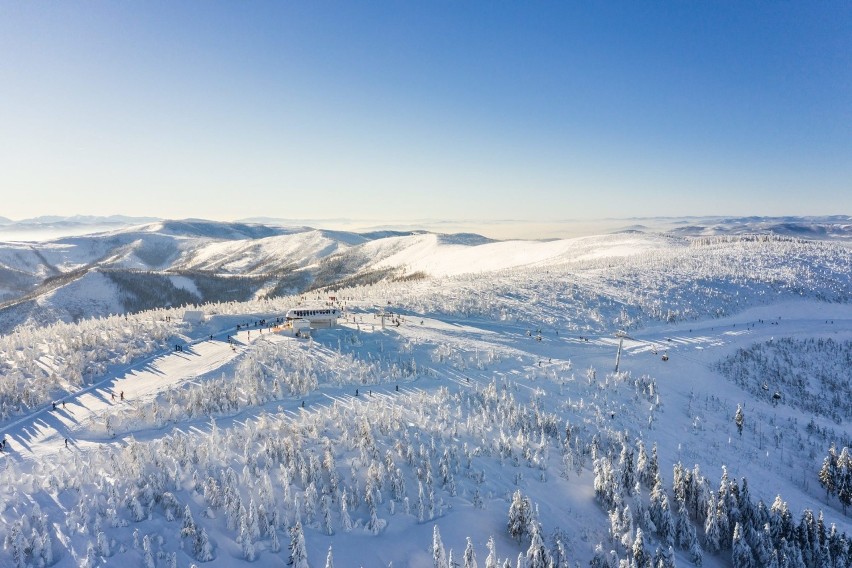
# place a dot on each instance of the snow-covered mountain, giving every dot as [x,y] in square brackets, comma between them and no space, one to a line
[825,227]
[56,226]
[466,407]
[158,264]
[170,263]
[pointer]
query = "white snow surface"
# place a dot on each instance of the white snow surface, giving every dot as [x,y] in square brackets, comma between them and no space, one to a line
[265,410]
[435,255]
[244,255]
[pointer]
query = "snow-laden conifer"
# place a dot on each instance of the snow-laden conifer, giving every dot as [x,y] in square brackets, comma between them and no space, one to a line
[469,558]
[439,554]
[537,555]
[491,560]
[520,516]
[741,553]
[298,552]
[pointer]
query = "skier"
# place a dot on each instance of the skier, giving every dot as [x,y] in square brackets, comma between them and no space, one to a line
[356,392]
[66,442]
[113,397]
[54,406]
[122,395]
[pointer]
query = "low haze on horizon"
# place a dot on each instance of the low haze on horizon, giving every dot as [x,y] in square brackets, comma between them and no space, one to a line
[441,110]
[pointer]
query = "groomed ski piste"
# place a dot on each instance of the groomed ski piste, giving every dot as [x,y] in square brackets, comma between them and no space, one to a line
[482,421]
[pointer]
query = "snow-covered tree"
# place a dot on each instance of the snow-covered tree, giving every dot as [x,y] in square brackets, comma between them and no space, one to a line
[147,553]
[520,516]
[844,478]
[642,464]
[188,529]
[712,532]
[683,527]
[102,544]
[345,519]
[91,558]
[667,558]
[469,559]
[828,472]
[537,556]
[558,555]
[439,554]
[640,556]
[202,548]
[298,551]
[600,559]
[274,542]
[696,554]
[741,554]
[627,470]
[491,559]
[666,524]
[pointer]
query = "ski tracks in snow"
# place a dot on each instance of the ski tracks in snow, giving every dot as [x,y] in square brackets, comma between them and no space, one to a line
[45,430]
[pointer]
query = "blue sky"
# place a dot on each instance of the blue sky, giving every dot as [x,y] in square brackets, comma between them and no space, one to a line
[425,110]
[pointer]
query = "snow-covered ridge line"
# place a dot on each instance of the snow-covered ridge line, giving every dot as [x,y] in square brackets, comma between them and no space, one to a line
[141,263]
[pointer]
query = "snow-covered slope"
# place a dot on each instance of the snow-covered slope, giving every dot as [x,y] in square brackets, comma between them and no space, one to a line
[480,413]
[267,254]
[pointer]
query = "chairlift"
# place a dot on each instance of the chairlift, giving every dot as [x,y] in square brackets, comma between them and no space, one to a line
[765,386]
[665,357]
[777,396]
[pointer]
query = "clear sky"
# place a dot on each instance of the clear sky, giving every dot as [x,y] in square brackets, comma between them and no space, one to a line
[425,109]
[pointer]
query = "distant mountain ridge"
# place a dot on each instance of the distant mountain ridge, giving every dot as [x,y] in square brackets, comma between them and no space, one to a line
[178,262]
[193,261]
[823,227]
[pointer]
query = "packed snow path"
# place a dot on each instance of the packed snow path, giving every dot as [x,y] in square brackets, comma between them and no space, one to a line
[45,430]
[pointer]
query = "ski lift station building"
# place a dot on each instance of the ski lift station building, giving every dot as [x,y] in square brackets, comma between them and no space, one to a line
[318,317]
